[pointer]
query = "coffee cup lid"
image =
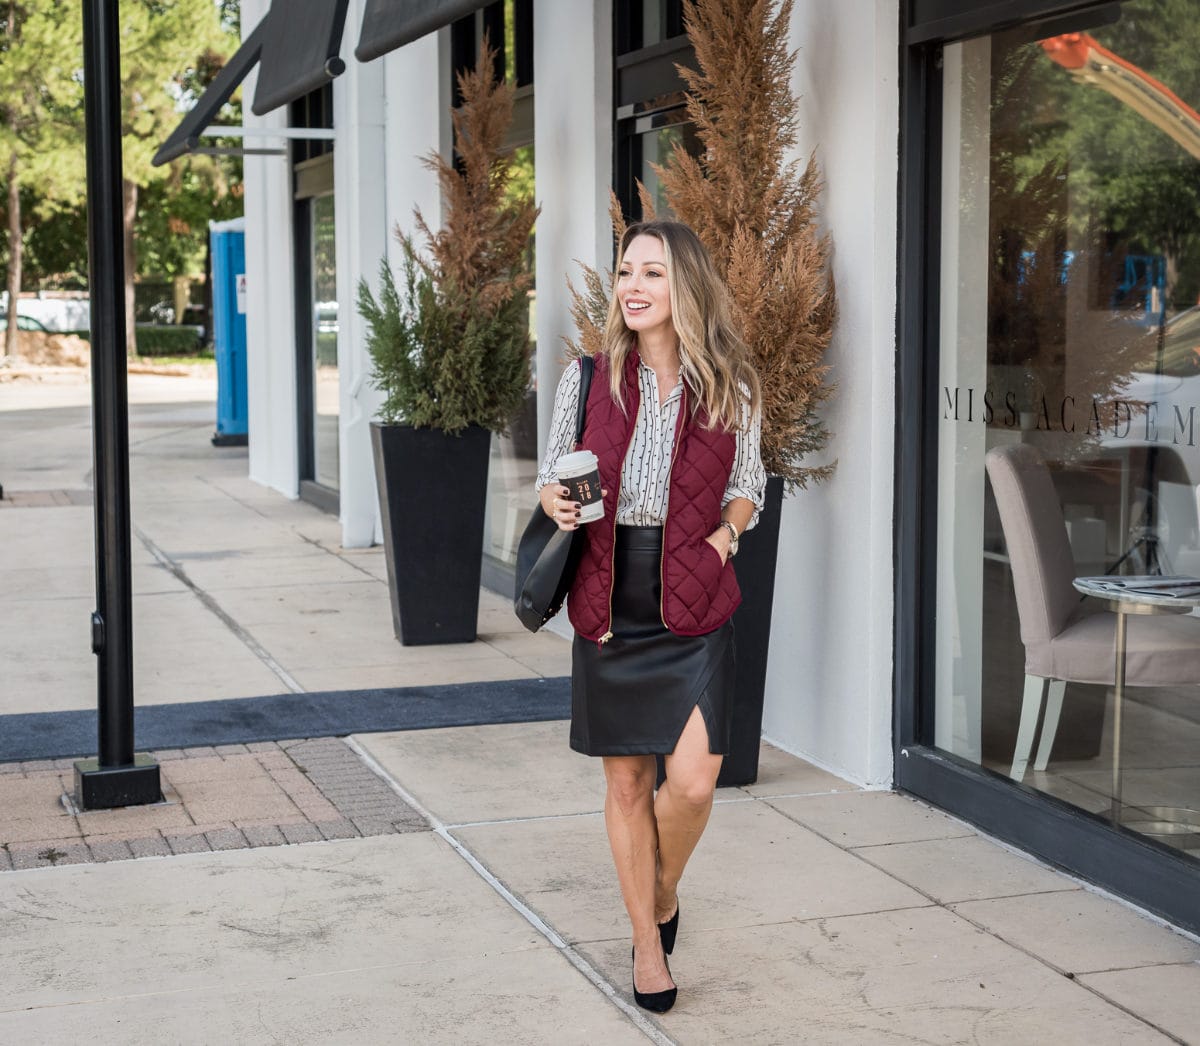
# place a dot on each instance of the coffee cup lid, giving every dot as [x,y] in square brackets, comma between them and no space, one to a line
[579,459]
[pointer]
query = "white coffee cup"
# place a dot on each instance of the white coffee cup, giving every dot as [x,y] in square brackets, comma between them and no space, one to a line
[580,471]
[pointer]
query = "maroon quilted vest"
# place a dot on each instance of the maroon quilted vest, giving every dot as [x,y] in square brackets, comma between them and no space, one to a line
[699,593]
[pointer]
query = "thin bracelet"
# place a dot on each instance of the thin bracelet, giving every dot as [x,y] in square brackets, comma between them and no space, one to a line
[733,533]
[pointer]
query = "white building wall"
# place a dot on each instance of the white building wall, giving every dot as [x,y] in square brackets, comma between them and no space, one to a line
[388,114]
[417,85]
[270,300]
[829,681]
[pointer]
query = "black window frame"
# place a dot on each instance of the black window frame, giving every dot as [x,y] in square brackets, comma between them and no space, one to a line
[466,34]
[312,164]
[1146,872]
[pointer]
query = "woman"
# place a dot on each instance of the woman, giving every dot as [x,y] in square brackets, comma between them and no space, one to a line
[673,417]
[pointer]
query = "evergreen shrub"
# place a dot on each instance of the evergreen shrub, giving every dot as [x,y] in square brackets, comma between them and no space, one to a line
[168,340]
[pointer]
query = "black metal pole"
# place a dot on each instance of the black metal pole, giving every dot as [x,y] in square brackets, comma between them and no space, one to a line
[117,778]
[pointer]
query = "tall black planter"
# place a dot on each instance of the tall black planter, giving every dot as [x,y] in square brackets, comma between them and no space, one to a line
[432,492]
[758,551]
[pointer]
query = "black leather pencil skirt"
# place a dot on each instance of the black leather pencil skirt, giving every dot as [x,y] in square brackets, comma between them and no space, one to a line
[634,694]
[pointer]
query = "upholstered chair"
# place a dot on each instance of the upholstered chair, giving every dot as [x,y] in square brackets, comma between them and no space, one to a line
[1068,639]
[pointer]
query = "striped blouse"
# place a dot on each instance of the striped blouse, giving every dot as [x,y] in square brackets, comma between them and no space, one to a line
[646,472]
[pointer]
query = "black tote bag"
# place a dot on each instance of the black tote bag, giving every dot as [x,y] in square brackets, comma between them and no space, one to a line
[546,556]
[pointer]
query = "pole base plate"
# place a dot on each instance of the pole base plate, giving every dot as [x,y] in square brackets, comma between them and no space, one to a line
[103,788]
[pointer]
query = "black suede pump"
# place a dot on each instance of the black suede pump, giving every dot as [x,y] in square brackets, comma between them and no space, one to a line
[655,1002]
[668,930]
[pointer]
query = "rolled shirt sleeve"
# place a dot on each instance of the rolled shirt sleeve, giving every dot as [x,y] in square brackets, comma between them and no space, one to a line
[747,477]
[562,424]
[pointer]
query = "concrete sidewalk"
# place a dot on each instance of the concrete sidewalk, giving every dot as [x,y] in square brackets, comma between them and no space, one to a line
[238,592]
[462,889]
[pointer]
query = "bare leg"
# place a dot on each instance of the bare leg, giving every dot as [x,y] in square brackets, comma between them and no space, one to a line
[681,809]
[629,817]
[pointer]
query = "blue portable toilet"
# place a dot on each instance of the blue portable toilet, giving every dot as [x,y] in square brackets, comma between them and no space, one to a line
[228,244]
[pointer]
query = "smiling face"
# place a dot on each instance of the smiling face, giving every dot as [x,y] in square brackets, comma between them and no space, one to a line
[643,288]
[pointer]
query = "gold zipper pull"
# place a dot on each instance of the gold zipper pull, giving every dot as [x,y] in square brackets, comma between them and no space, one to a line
[604,639]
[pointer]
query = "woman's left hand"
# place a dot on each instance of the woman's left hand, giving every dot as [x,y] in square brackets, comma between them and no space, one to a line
[720,540]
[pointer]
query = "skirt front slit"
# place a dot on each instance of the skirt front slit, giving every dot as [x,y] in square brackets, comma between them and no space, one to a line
[634,694]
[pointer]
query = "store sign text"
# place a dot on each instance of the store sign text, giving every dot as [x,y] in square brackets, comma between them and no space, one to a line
[1124,419]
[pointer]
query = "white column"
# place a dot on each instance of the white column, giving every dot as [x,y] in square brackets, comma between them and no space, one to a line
[829,678]
[360,206]
[270,301]
[417,88]
[572,62]
[389,114]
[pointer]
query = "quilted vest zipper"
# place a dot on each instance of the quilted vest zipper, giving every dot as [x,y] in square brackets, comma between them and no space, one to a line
[612,561]
[662,557]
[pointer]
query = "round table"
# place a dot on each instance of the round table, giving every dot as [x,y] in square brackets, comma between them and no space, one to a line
[1147,595]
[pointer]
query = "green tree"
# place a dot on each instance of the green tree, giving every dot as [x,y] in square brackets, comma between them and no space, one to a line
[40,120]
[168,51]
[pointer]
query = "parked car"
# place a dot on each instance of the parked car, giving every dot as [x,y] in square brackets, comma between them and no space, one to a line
[25,323]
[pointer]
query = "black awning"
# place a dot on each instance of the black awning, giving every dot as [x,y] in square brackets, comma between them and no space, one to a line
[296,46]
[187,134]
[388,24]
[300,50]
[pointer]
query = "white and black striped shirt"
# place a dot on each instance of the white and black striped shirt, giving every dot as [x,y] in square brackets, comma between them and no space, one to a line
[646,472]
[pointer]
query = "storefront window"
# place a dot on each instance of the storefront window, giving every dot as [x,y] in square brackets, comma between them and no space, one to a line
[316,284]
[326,396]
[514,463]
[1068,391]
[649,141]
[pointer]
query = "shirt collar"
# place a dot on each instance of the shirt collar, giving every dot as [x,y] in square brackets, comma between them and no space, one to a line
[651,382]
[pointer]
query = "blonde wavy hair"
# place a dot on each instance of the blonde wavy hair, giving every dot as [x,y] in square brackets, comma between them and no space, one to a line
[716,364]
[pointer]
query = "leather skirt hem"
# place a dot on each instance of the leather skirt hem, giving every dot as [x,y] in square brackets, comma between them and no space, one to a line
[635,694]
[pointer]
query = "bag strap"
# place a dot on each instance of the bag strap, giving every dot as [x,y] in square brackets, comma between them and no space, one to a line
[586,366]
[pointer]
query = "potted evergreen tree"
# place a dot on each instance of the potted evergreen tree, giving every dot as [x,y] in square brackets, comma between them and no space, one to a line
[451,351]
[755,212]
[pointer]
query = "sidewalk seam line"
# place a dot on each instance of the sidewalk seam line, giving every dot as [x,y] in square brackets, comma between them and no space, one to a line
[304,537]
[952,908]
[252,644]
[815,795]
[1066,974]
[522,820]
[598,980]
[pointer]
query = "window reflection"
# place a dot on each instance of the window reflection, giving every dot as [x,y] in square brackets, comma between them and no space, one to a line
[1070,326]
[325,344]
[513,467]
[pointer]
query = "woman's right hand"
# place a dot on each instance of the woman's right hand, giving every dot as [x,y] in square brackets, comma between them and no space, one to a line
[557,505]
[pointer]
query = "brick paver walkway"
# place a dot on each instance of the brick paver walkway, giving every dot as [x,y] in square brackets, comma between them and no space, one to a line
[224,798]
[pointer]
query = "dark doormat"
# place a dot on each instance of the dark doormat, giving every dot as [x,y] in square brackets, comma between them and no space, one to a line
[331,713]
